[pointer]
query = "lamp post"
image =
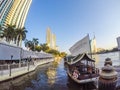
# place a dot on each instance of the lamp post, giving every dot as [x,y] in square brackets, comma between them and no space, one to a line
[10,65]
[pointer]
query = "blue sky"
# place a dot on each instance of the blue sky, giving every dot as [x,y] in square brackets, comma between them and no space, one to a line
[71,20]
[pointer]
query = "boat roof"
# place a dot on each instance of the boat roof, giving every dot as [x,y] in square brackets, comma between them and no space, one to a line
[80,57]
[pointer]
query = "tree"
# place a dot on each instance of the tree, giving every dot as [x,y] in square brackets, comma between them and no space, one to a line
[45,47]
[35,42]
[31,44]
[54,52]
[28,44]
[63,54]
[20,35]
[38,48]
[1,31]
[9,33]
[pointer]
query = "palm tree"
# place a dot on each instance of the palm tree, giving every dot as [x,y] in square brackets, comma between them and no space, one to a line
[35,42]
[1,31]
[29,44]
[45,47]
[21,35]
[9,33]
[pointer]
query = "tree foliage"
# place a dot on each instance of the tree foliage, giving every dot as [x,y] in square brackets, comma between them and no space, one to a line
[34,46]
[11,33]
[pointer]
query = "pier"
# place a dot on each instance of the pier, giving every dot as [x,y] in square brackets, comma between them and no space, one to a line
[16,61]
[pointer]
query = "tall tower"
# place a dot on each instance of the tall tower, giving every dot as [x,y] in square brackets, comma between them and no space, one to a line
[18,12]
[14,12]
[53,41]
[5,6]
[48,37]
[93,45]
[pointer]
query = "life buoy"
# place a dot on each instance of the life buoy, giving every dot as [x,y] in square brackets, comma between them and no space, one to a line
[75,75]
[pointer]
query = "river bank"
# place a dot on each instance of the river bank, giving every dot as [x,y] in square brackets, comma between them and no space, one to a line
[9,74]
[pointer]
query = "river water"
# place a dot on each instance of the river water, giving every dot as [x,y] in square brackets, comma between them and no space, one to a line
[53,76]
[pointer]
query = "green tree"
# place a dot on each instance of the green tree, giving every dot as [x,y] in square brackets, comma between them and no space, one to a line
[35,42]
[9,33]
[20,35]
[45,47]
[1,31]
[63,54]
[54,52]
[32,45]
[38,48]
[28,44]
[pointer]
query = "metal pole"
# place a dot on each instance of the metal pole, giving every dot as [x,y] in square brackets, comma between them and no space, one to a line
[10,70]
[119,55]
[10,65]
[28,63]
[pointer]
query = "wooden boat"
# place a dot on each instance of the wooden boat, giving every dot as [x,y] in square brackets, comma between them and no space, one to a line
[82,69]
[67,58]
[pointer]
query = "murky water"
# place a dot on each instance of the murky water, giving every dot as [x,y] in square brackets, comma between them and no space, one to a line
[53,76]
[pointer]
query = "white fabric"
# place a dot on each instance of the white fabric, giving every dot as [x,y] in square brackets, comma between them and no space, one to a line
[6,51]
[82,46]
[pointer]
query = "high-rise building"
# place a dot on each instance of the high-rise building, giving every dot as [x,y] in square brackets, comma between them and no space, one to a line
[5,6]
[51,39]
[93,45]
[48,37]
[14,12]
[53,43]
[18,12]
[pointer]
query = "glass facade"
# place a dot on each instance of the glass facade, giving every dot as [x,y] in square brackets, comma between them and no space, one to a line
[18,13]
[14,12]
[5,6]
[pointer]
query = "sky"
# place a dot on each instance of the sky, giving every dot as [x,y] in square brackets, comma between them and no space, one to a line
[71,20]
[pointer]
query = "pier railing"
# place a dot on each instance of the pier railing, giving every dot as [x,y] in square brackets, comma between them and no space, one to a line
[8,71]
[16,65]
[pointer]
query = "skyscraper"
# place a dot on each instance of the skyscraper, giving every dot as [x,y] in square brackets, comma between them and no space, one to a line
[14,12]
[18,12]
[48,37]
[51,39]
[53,43]
[93,45]
[5,6]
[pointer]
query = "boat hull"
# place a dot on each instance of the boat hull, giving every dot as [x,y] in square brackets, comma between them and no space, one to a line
[93,79]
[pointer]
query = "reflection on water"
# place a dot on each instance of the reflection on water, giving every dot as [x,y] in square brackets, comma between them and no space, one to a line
[53,76]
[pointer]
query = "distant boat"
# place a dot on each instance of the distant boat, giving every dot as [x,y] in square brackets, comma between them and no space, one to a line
[82,69]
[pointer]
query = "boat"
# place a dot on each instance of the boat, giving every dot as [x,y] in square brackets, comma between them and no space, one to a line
[67,58]
[81,69]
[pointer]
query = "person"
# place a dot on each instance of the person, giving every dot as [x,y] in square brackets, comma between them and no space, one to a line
[90,69]
[76,73]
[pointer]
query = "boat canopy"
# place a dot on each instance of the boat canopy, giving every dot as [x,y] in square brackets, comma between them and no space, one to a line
[80,57]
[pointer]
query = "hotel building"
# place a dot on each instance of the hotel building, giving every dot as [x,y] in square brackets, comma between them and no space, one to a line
[93,45]
[51,39]
[5,6]
[18,12]
[14,12]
